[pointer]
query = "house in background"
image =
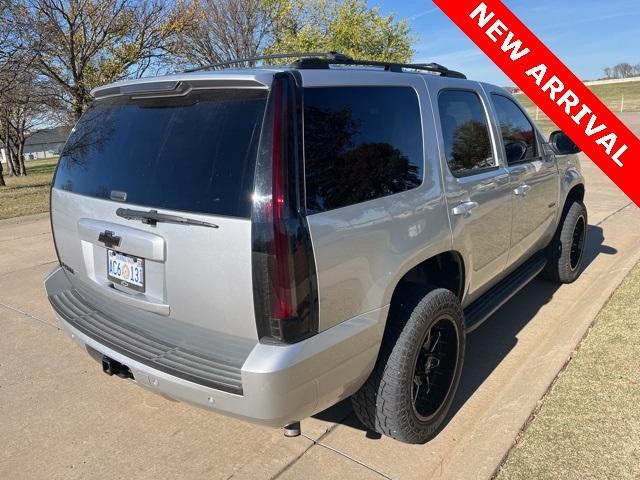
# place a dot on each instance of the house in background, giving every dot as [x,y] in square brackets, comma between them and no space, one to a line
[42,144]
[46,143]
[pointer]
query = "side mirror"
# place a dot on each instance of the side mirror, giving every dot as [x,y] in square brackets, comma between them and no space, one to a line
[562,144]
[516,151]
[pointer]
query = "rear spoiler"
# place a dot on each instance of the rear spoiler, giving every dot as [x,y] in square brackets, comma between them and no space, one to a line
[172,87]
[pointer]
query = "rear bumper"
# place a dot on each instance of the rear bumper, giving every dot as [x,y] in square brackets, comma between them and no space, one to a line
[280,384]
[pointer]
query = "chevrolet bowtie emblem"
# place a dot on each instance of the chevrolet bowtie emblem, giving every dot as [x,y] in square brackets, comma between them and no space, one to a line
[109,239]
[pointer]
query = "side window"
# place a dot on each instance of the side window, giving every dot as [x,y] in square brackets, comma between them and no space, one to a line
[518,135]
[465,129]
[360,143]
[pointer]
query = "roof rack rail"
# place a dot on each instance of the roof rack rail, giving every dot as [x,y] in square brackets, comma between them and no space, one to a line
[312,63]
[329,55]
[323,60]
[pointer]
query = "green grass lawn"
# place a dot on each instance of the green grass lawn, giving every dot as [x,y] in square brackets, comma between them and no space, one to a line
[30,194]
[589,424]
[610,94]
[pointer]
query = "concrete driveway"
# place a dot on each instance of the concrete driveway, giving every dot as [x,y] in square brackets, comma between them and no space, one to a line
[61,417]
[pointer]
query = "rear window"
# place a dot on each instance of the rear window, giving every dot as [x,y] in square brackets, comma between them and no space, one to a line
[192,153]
[360,143]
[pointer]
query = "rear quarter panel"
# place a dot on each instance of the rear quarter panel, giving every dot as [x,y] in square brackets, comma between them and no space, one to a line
[363,250]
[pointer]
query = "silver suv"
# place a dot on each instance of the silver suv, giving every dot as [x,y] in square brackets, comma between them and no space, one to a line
[265,242]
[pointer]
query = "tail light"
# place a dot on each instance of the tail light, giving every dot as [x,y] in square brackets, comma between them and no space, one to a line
[284,276]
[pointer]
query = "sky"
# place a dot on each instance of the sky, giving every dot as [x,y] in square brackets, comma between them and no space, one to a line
[587,35]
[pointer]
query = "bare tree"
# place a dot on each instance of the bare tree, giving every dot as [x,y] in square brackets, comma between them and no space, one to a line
[86,43]
[623,70]
[16,54]
[25,108]
[225,30]
[8,139]
[16,57]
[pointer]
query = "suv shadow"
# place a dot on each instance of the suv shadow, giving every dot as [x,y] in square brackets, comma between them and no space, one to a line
[492,342]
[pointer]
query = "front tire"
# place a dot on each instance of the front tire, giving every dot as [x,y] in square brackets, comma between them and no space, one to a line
[412,386]
[566,250]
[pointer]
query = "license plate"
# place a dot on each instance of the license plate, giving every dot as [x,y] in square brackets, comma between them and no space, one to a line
[125,270]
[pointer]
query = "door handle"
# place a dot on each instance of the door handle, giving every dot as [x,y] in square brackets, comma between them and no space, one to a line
[522,190]
[464,209]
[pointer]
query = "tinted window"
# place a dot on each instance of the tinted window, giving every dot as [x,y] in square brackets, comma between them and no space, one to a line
[465,130]
[518,134]
[194,153]
[361,143]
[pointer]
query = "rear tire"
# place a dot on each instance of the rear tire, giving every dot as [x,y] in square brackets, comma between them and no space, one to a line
[566,250]
[412,386]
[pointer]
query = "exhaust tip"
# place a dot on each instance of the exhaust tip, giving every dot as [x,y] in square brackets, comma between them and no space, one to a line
[292,430]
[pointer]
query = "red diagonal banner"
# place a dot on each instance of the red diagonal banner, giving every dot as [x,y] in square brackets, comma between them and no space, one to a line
[552,86]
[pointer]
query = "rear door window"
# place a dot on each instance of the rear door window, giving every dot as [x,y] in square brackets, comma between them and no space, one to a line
[465,132]
[361,143]
[193,153]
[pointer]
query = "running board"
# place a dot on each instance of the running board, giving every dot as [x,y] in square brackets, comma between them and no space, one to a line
[485,306]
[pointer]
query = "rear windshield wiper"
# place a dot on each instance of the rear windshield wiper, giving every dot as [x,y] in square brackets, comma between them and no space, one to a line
[152,217]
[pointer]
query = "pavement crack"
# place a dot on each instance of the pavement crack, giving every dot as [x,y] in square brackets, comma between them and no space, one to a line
[25,236]
[28,267]
[26,314]
[612,214]
[293,461]
[319,443]
[349,457]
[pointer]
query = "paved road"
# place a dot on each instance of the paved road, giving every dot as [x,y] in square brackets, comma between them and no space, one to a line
[61,417]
